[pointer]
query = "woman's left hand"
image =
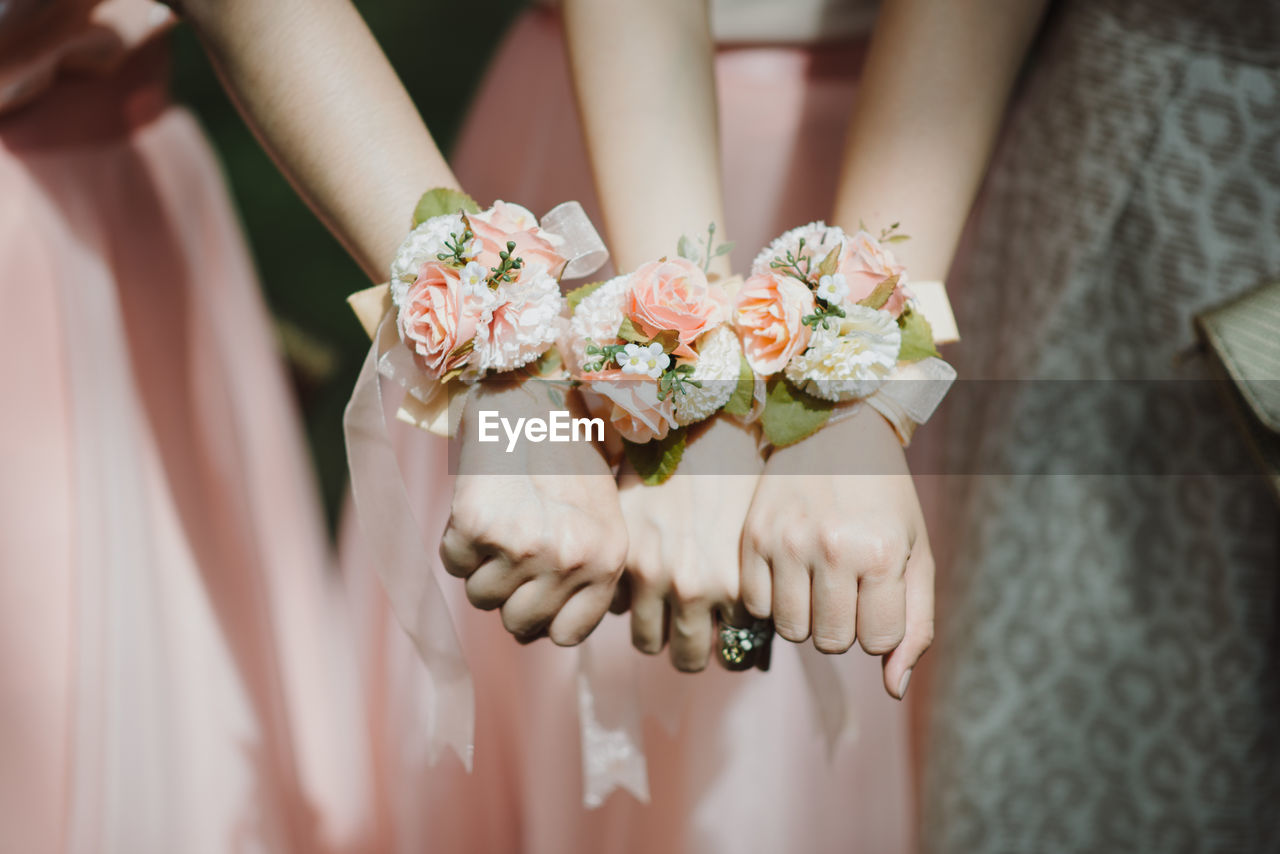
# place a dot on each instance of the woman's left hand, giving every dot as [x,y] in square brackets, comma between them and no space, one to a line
[835,546]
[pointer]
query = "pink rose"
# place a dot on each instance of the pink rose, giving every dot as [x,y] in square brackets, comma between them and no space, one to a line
[503,223]
[768,315]
[637,414]
[865,263]
[436,317]
[674,295]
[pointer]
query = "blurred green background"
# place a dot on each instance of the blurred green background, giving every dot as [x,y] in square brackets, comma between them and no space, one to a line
[304,272]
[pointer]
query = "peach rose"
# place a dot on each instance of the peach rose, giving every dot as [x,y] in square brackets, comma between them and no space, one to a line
[865,263]
[503,223]
[675,295]
[436,317]
[637,414]
[768,315]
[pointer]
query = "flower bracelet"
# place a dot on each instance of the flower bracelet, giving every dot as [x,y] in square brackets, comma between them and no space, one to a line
[829,318]
[654,353]
[475,293]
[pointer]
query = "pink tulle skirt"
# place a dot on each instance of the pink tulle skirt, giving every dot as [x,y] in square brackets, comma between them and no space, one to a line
[173,657]
[736,761]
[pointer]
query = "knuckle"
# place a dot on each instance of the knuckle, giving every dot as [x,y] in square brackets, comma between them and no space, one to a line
[832,642]
[795,542]
[791,629]
[881,642]
[879,554]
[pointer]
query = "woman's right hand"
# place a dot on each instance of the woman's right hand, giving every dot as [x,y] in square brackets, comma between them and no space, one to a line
[682,566]
[536,532]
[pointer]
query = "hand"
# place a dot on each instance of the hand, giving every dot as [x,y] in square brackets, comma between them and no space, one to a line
[536,532]
[843,556]
[682,564]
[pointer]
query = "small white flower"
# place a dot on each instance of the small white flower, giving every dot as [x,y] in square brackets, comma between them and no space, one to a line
[597,317]
[474,276]
[719,361]
[848,358]
[833,288]
[646,359]
[425,243]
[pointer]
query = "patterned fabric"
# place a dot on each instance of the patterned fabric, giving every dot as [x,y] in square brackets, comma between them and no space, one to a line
[1109,665]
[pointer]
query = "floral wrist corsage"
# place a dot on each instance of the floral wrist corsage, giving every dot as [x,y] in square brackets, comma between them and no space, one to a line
[828,316]
[474,293]
[654,352]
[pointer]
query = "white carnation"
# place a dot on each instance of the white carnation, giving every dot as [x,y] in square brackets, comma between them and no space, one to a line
[521,324]
[597,317]
[425,243]
[819,239]
[851,358]
[719,361]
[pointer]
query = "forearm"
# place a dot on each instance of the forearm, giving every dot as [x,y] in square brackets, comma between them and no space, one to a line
[930,102]
[317,91]
[644,77]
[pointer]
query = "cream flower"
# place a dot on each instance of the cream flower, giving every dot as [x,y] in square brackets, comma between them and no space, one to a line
[425,243]
[719,361]
[819,239]
[597,317]
[520,324]
[851,357]
[644,359]
[833,289]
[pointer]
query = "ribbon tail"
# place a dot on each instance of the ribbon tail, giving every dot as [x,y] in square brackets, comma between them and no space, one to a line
[405,563]
[612,741]
[835,718]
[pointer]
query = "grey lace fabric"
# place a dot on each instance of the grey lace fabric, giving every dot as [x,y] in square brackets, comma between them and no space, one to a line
[1108,656]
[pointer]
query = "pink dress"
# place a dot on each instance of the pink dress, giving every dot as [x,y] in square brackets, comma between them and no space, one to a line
[735,761]
[172,658]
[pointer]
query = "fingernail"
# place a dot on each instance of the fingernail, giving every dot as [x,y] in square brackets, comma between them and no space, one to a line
[902,686]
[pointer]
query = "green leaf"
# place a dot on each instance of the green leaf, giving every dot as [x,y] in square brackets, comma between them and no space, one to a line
[744,394]
[917,337]
[791,414]
[724,249]
[877,298]
[669,339]
[830,263]
[441,201]
[686,249]
[897,238]
[628,332]
[577,295]
[657,460]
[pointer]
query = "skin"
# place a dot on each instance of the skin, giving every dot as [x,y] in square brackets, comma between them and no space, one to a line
[322,99]
[654,147]
[847,558]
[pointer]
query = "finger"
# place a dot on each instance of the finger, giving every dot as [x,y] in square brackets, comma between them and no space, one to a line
[835,605]
[919,634]
[791,596]
[459,553]
[493,583]
[532,606]
[882,607]
[757,581]
[580,615]
[691,635]
[648,617]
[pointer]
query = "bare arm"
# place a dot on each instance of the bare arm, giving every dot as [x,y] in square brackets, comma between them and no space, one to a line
[932,95]
[645,81]
[646,91]
[317,91]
